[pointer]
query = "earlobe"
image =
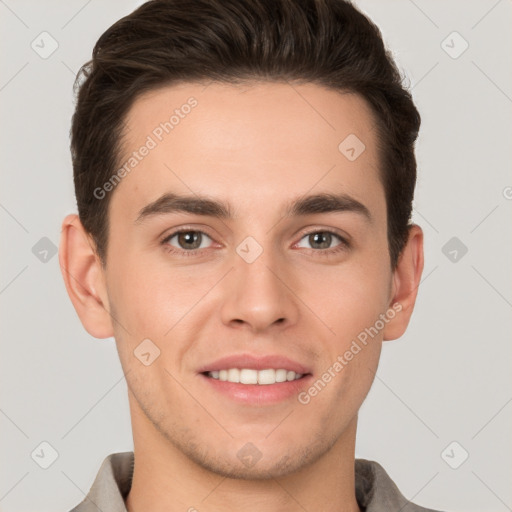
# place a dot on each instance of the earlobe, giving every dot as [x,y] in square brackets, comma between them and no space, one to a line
[406,280]
[84,278]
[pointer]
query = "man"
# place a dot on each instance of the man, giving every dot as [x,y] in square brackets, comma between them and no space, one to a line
[244,173]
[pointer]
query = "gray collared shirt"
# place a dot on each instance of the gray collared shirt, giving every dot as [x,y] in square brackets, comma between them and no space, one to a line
[375,491]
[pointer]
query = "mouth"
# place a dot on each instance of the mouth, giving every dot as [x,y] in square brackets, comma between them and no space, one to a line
[250,376]
[256,379]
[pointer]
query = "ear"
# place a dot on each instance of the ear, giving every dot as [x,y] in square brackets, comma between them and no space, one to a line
[406,279]
[84,278]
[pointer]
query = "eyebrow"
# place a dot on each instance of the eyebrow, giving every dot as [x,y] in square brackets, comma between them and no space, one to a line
[304,205]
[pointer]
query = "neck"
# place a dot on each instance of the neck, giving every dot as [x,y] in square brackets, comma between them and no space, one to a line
[165,479]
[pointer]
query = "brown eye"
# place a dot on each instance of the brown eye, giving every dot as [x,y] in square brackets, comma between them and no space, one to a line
[323,240]
[320,240]
[188,240]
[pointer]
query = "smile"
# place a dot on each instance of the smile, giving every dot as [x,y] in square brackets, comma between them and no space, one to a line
[249,376]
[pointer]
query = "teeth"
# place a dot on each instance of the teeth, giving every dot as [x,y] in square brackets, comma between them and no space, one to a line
[281,375]
[249,376]
[234,375]
[267,377]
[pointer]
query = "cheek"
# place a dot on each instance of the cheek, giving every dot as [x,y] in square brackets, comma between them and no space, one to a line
[349,297]
[151,298]
[356,379]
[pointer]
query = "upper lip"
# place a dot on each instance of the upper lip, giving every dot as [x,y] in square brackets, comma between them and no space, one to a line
[255,363]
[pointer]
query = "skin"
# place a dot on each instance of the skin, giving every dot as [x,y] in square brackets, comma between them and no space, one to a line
[258,147]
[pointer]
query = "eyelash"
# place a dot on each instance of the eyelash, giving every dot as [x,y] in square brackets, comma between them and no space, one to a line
[343,246]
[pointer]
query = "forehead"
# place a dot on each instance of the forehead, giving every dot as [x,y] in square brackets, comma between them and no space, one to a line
[256,143]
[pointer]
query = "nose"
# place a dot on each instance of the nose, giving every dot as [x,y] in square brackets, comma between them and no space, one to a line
[258,296]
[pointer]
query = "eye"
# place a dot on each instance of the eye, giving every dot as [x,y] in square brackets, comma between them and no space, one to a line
[187,240]
[323,240]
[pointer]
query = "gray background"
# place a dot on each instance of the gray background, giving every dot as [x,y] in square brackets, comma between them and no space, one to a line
[447,379]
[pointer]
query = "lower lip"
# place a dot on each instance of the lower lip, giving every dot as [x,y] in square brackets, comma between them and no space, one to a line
[259,394]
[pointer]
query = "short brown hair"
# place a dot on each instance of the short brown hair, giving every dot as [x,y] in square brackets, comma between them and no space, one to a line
[327,42]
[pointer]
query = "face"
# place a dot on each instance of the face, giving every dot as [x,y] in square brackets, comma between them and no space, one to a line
[255,268]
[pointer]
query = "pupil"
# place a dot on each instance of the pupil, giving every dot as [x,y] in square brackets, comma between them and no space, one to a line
[318,237]
[190,237]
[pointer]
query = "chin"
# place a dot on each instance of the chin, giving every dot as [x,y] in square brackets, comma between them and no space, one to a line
[250,463]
